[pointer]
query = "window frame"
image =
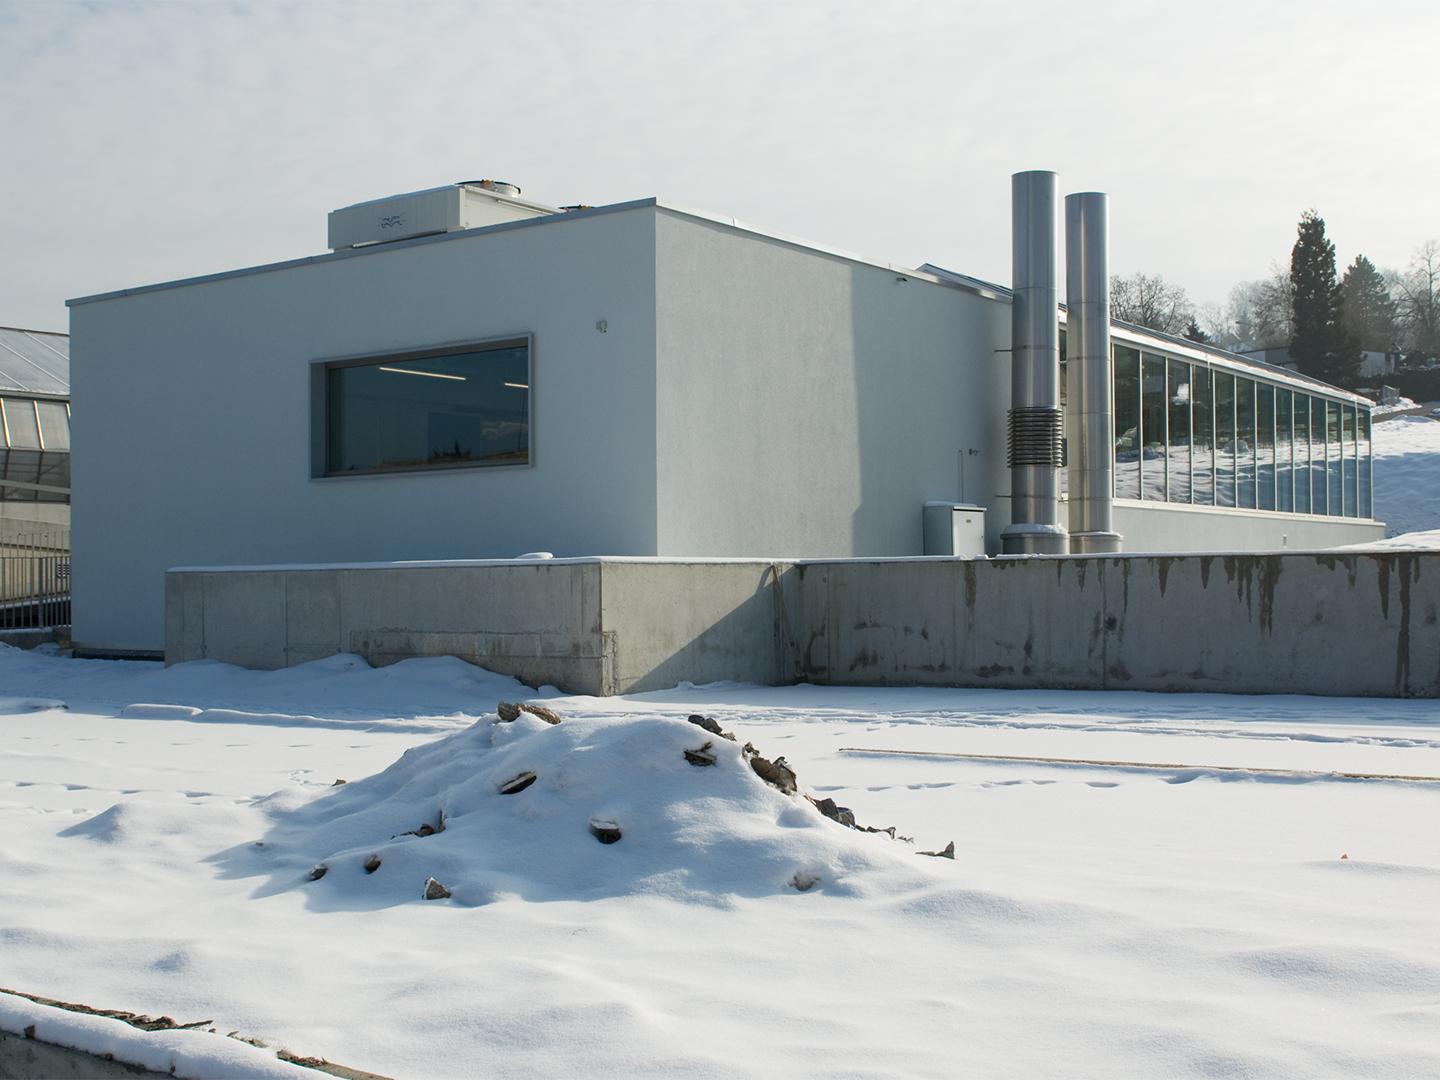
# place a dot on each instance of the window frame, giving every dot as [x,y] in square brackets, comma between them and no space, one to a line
[320,406]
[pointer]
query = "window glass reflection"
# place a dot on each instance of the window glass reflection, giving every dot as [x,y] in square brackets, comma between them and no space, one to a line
[1333,501]
[1284,449]
[1177,450]
[1366,490]
[1224,439]
[1202,420]
[1152,427]
[1265,446]
[1245,443]
[1302,454]
[1127,422]
[445,410]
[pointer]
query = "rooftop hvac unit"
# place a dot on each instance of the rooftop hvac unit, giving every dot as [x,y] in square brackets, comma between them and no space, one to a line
[467,205]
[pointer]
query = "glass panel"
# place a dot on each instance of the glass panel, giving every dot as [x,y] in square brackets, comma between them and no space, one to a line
[23,465]
[1202,418]
[1152,427]
[54,471]
[1366,488]
[1284,449]
[54,424]
[470,408]
[20,423]
[1245,442]
[1333,505]
[1352,462]
[1177,451]
[1127,423]
[1265,445]
[1302,454]
[1224,439]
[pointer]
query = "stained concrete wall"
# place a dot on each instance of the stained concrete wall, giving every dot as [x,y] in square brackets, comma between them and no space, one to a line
[1343,624]
[1354,623]
[28,1059]
[537,621]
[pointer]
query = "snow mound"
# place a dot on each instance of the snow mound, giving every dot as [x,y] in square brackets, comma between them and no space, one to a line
[464,811]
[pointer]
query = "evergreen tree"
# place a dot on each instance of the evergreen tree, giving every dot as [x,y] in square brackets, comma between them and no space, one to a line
[1194,333]
[1368,310]
[1320,345]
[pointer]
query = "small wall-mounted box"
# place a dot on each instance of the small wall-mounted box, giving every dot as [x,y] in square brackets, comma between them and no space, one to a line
[954,529]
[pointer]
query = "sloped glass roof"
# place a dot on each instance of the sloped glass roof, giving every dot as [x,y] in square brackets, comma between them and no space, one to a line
[34,362]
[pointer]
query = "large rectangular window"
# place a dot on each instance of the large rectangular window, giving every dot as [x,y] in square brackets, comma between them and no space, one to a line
[1303,502]
[1352,461]
[1152,427]
[1284,449]
[1224,439]
[1265,445]
[1245,442]
[1177,451]
[1189,433]
[1127,423]
[450,408]
[1366,489]
[1202,419]
[1334,503]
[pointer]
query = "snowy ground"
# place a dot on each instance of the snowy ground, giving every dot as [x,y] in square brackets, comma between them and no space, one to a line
[1097,920]
[1407,480]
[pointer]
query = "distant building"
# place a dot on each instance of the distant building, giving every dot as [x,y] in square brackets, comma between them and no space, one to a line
[471,375]
[1373,364]
[35,431]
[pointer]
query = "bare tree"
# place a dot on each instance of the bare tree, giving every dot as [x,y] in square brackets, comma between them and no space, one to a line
[1216,321]
[1151,301]
[1417,301]
[1261,313]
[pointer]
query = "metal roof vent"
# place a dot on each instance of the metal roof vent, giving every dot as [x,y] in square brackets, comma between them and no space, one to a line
[470,204]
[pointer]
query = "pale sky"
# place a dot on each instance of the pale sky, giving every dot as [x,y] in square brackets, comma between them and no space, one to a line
[148,142]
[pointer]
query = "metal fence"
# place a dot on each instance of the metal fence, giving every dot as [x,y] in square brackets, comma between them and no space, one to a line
[34,578]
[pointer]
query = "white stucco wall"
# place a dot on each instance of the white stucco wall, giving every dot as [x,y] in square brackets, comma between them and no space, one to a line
[809,405]
[192,413]
[1157,527]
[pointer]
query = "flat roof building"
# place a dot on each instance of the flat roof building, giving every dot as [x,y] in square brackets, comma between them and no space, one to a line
[644,379]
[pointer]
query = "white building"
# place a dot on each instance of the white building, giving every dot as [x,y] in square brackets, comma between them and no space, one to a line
[635,379]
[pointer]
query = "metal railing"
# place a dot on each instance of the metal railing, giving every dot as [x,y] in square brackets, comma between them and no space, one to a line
[34,578]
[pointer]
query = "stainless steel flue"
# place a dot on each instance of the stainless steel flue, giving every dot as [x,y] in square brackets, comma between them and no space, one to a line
[1036,426]
[1089,421]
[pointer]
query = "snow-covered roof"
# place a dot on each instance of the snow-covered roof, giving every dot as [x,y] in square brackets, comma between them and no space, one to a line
[34,362]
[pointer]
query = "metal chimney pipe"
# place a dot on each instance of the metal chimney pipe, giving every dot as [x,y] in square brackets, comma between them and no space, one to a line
[1036,425]
[1089,420]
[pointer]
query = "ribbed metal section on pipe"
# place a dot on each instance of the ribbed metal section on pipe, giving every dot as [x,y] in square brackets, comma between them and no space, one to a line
[1035,423]
[1089,420]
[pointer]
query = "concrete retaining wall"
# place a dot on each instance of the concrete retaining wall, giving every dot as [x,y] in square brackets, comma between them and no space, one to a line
[1362,623]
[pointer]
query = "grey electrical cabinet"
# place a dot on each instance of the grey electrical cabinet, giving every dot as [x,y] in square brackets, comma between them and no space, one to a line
[954,529]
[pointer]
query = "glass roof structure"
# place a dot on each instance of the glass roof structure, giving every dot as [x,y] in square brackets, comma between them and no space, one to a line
[34,416]
[34,362]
